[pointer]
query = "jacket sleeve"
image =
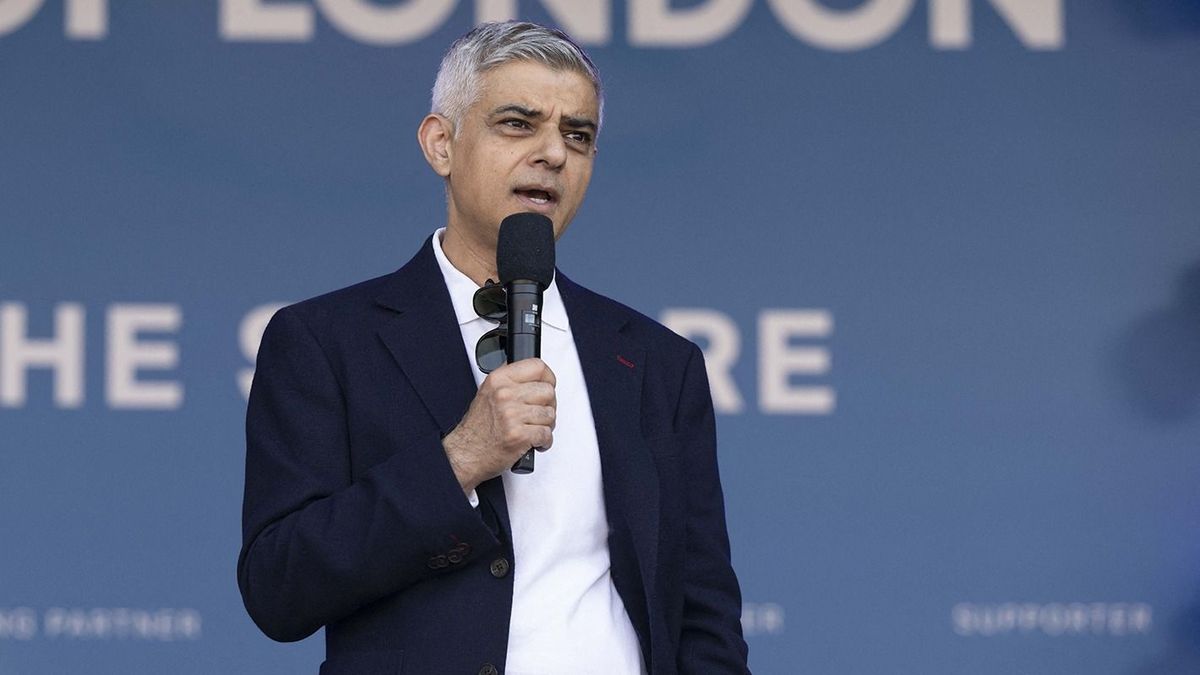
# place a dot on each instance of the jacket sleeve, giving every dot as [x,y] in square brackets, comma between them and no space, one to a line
[711,639]
[316,544]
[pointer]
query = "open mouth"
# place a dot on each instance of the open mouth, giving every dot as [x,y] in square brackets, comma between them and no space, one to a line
[536,196]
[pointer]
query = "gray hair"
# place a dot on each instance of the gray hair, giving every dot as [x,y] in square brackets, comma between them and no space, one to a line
[493,44]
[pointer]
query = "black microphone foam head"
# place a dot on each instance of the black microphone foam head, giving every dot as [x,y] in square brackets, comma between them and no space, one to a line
[525,249]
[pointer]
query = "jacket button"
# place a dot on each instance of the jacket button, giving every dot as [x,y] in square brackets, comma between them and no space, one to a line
[488,669]
[458,553]
[500,568]
[437,562]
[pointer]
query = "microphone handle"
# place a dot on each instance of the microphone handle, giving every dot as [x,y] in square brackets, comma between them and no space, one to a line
[524,338]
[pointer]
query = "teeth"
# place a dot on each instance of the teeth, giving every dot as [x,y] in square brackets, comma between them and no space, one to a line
[537,196]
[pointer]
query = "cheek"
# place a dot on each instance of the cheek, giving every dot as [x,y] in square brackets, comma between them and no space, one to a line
[581,186]
[583,171]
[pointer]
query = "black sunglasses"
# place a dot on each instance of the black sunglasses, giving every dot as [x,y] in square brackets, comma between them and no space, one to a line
[491,303]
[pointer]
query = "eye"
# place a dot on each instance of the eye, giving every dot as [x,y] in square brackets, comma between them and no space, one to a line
[579,137]
[515,123]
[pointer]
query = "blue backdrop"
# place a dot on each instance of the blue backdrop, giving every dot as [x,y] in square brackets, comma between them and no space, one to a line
[944,256]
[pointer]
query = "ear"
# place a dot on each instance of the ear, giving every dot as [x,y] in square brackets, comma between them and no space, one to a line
[436,135]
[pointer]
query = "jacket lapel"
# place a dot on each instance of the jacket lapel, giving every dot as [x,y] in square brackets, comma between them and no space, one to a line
[613,365]
[424,339]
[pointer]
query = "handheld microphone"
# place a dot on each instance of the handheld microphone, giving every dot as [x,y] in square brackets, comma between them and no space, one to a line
[525,263]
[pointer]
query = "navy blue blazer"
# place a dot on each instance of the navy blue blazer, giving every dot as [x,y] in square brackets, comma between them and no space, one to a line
[353,519]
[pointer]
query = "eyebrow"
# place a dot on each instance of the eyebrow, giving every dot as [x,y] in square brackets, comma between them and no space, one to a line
[533,113]
[579,123]
[519,109]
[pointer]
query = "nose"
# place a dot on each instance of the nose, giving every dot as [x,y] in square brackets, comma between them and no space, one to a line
[551,150]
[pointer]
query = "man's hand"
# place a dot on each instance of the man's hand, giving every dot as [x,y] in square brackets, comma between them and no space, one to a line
[513,411]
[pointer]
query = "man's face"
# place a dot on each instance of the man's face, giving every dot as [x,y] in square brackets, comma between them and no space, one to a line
[526,145]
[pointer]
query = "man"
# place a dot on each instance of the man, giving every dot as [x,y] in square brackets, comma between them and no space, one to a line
[378,502]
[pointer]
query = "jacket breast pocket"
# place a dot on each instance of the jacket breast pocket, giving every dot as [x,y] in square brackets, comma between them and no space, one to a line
[364,663]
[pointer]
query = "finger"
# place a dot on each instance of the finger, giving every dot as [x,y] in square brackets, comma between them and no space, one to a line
[525,370]
[497,379]
[548,375]
[541,415]
[538,393]
[540,437]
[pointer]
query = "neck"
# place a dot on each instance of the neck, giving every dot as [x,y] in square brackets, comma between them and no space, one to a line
[473,259]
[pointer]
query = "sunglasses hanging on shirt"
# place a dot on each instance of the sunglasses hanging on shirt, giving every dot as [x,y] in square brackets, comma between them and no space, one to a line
[490,303]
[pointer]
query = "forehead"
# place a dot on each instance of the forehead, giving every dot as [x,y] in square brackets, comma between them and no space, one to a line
[539,87]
